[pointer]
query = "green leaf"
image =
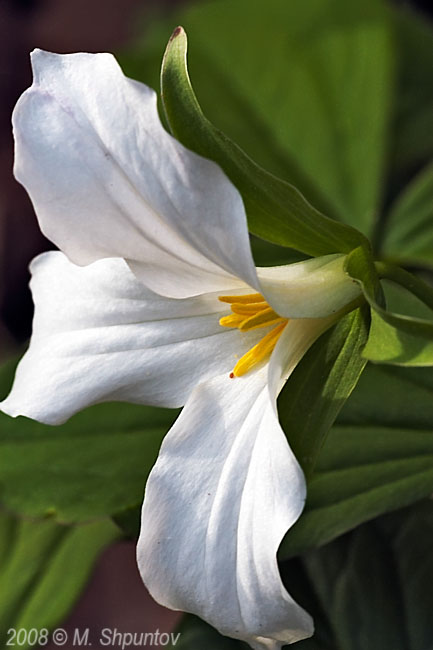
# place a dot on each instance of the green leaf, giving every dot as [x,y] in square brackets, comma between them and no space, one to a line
[95,465]
[369,585]
[413,123]
[377,458]
[409,231]
[43,569]
[359,593]
[324,378]
[276,210]
[411,542]
[378,594]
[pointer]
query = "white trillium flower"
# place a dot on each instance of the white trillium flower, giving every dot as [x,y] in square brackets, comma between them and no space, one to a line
[156,300]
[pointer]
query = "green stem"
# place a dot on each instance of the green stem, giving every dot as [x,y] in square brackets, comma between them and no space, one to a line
[415,285]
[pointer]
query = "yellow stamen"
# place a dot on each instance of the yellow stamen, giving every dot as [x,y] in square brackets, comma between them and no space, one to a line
[259,352]
[261,319]
[249,297]
[248,309]
[234,320]
[250,312]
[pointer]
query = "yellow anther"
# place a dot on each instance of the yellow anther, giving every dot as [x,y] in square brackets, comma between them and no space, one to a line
[248,309]
[249,297]
[261,319]
[234,320]
[259,352]
[251,312]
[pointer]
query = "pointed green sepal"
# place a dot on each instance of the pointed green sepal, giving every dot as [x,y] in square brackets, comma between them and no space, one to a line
[276,210]
[394,338]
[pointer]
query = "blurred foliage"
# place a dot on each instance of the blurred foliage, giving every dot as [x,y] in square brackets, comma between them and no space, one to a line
[378,456]
[95,465]
[43,569]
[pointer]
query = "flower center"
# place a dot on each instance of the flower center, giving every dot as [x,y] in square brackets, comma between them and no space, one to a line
[250,312]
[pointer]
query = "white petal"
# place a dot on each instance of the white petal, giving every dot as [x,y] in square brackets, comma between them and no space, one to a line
[296,338]
[107,180]
[99,335]
[223,493]
[314,288]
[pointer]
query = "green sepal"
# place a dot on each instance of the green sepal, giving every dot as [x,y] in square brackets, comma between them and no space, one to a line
[389,344]
[393,338]
[325,378]
[276,210]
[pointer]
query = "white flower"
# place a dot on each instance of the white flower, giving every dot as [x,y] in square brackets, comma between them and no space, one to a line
[155,253]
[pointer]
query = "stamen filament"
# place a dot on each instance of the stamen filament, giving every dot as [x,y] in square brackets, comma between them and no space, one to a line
[259,352]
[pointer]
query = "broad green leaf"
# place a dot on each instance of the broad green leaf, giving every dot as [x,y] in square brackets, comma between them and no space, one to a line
[411,542]
[388,396]
[43,569]
[95,465]
[377,458]
[409,227]
[276,210]
[361,594]
[413,123]
[380,596]
[320,385]
[369,585]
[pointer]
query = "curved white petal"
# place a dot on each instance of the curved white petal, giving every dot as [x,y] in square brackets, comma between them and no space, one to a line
[224,491]
[297,337]
[107,180]
[314,288]
[99,335]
